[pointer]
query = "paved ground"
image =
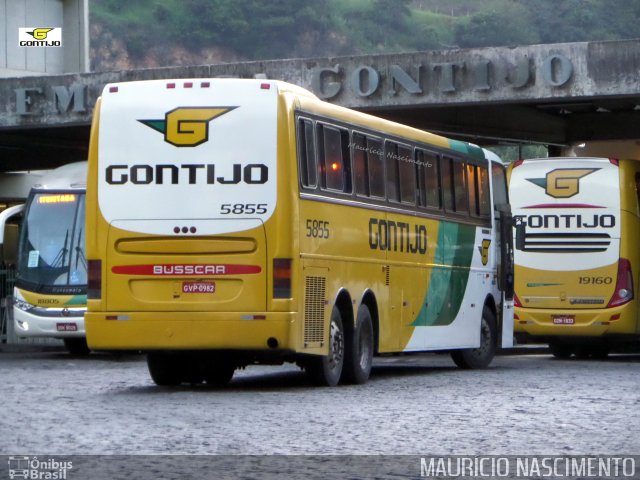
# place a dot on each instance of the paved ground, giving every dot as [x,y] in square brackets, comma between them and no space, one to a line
[527,404]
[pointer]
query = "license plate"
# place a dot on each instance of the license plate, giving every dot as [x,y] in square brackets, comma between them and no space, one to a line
[198,287]
[67,327]
[564,319]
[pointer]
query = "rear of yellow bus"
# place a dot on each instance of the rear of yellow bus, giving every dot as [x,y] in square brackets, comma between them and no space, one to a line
[187,251]
[576,263]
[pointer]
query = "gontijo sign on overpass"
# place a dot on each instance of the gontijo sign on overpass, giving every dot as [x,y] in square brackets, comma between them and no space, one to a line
[448,77]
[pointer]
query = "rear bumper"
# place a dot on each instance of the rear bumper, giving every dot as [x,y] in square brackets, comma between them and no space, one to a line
[587,323]
[190,331]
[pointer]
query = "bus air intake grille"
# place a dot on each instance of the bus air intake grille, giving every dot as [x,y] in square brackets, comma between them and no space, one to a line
[314,294]
[566,242]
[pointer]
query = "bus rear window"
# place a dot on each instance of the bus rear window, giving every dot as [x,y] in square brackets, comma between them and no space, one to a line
[307,154]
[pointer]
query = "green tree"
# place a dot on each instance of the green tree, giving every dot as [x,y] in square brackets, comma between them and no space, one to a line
[501,22]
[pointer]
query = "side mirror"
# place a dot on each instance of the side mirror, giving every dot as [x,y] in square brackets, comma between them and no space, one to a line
[10,245]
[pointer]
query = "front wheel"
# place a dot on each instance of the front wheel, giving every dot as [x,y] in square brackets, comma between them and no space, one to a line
[326,370]
[472,358]
[359,349]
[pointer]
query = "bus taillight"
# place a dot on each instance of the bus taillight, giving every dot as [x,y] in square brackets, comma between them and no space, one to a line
[281,278]
[94,283]
[624,285]
[516,301]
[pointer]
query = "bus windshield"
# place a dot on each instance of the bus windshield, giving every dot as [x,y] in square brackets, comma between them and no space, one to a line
[52,243]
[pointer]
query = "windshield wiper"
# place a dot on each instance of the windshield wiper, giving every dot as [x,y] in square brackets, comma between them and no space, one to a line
[80,256]
[59,260]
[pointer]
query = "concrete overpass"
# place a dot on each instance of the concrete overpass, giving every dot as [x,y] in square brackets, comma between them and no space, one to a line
[552,94]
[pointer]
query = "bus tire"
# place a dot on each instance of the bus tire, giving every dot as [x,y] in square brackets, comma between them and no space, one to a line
[561,350]
[165,370]
[219,372]
[326,370]
[77,346]
[472,358]
[358,349]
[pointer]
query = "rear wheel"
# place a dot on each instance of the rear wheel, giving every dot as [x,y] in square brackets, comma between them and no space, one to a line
[165,370]
[359,349]
[326,370]
[480,357]
[219,371]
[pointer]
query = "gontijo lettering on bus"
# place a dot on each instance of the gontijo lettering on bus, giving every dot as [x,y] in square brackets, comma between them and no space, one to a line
[397,236]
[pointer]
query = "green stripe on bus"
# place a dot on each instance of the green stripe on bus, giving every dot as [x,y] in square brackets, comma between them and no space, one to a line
[77,300]
[448,284]
[467,148]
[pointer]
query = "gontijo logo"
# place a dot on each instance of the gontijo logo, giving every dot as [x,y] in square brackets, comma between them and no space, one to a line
[40,37]
[562,182]
[186,126]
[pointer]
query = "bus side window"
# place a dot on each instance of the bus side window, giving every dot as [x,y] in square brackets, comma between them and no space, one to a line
[407,175]
[360,167]
[460,186]
[307,154]
[335,158]
[484,198]
[478,188]
[375,162]
[428,168]
[447,183]
[390,155]
[499,180]
[455,186]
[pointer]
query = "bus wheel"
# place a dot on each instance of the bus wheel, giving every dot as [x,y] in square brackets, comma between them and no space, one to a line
[165,370]
[76,346]
[325,370]
[219,372]
[480,357]
[561,350]
[358,349]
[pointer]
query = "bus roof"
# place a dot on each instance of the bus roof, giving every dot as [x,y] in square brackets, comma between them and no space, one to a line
[72,175]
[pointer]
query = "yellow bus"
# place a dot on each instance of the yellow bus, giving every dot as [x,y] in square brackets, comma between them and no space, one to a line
[577,258]
[233,222]
[50,291]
